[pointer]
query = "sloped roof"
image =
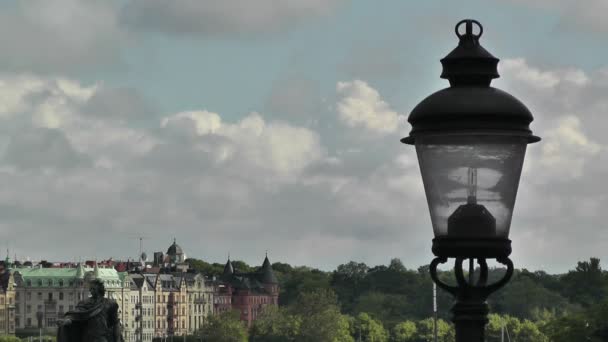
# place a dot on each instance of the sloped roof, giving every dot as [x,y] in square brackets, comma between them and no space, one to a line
[268,276]
[45,277]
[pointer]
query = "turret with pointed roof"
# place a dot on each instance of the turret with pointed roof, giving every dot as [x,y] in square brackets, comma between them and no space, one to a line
[228,270]
[268,276]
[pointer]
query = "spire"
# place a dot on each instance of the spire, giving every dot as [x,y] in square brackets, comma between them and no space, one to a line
[268,276]
[228,269]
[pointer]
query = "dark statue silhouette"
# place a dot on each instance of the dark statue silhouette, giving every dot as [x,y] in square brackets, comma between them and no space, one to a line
[94,320]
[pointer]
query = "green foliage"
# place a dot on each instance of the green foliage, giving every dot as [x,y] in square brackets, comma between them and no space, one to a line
[9,338]
[321,317]
[276,325]
[366,328]
[241,266]
[426,327]
[225,327]
[586,284]
[205,268]
[404,332]
[514,329]
[330,306]
[299,280]
[314,316]
[523,295]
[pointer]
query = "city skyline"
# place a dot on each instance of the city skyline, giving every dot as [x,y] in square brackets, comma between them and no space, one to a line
[248,127]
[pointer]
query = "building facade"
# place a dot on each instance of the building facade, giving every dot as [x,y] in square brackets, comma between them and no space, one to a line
[142,295]
[200,297]
[7,303]
[248,293]
[43,295]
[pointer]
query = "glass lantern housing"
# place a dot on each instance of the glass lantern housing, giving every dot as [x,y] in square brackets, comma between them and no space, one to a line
[471,182]
[471,140]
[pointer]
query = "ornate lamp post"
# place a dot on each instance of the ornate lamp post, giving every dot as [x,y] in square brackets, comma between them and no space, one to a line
[470,140]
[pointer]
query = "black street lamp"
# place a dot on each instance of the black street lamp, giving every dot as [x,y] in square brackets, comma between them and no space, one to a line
[470,140]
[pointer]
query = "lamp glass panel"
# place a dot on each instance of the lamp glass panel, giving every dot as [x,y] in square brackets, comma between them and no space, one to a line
[471,182]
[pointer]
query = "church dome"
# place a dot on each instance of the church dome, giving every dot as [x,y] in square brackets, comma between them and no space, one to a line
[174,249]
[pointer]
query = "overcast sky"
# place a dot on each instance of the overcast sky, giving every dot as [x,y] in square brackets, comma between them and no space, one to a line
[242,126]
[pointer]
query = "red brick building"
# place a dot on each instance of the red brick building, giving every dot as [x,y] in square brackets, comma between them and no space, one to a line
[248,293]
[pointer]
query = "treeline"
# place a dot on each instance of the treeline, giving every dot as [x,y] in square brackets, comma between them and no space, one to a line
[534,306]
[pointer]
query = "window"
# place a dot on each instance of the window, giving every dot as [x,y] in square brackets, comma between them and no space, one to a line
[17,295]
[39,295]
[29,322]
[50,296]
[28,309]
[71,307]
[60,308]
[61,282]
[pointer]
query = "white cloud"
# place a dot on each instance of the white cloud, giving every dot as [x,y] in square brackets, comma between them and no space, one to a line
[565,150]
[360,105]
[519,69]
[559,189]
[59,36]
[274,146]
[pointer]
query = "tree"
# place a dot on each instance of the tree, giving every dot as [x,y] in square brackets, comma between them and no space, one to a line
[321,319]
[528,331]
[205,268]
[396,265]
[276,325]
[568,328]
[586,284]
[368,329]
[523,295]
[241,266]
[346,280]
[300,280]
[404,332]
[225,327]
[425,331]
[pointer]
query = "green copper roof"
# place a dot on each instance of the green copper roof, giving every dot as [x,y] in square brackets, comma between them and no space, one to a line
[58,277]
